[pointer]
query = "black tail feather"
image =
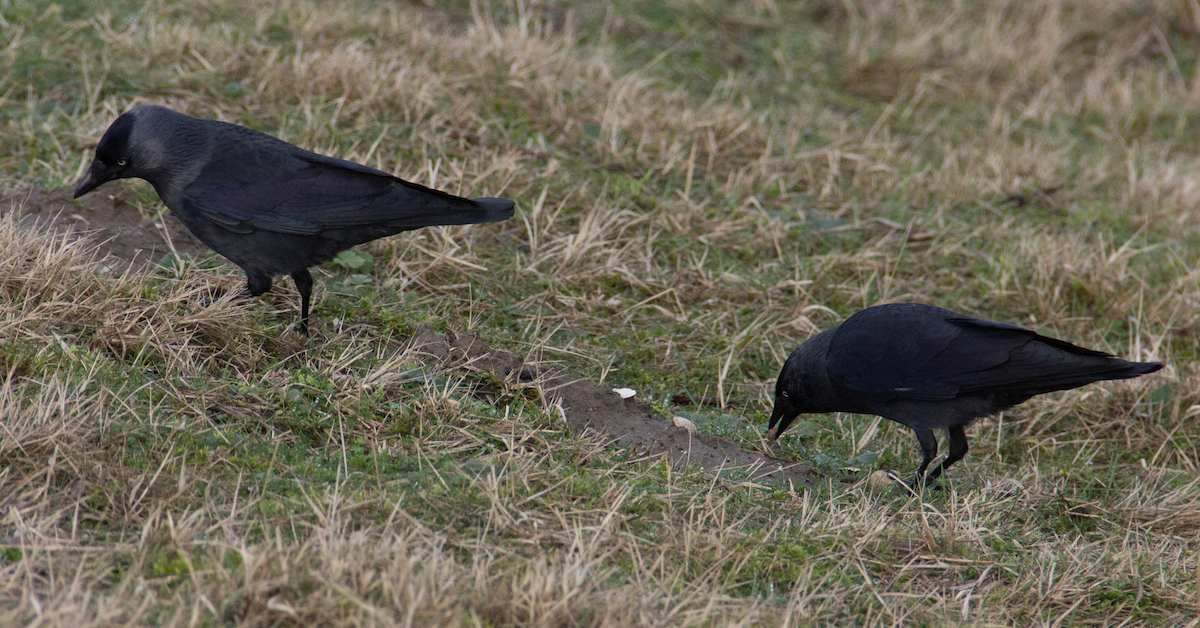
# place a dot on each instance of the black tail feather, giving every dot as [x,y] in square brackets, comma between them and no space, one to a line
[1114,370]
[1142,368]
[497,209]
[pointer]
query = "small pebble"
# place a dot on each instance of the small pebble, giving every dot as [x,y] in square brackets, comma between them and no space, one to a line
[880,480]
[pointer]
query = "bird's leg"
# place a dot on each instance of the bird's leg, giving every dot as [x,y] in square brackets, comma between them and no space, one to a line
[958,447]
[304,284]
[929,447]
[256,285]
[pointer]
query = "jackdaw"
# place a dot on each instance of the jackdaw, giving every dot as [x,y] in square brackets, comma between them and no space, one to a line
[268,206]
[929,368]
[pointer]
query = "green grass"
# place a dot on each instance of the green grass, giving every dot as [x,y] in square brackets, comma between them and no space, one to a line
[700,187]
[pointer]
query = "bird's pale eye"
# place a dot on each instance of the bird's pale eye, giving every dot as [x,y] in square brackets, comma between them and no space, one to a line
[120,162]
[785,394]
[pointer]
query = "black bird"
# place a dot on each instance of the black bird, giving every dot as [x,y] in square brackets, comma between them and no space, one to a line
[270,207]
[930,368]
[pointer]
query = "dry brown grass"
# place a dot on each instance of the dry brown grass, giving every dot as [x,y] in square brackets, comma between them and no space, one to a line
[684,221]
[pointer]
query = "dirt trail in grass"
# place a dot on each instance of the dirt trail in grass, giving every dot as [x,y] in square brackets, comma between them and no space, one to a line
[111,218]
[588,406]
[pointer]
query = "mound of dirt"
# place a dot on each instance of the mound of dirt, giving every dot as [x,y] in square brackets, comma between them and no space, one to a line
[109,216]
[587,406]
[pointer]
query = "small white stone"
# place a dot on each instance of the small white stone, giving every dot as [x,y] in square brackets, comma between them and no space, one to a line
[625,392]
[278,604]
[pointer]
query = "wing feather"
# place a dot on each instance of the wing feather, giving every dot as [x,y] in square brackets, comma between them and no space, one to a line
[929,354]
[316,193]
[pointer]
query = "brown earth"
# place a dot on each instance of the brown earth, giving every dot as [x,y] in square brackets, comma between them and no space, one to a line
[110,216]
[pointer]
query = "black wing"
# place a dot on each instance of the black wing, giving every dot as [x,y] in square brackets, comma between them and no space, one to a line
[930,354]
[304,193]
[878,351]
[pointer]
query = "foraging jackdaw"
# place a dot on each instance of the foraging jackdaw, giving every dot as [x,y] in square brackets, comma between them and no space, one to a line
[270,207]
[929,368]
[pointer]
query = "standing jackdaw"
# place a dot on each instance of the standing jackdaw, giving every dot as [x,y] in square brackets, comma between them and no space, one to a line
[929,368]
[268,206]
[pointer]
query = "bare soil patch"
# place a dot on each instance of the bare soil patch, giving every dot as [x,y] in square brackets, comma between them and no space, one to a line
[108,216]
[113,221]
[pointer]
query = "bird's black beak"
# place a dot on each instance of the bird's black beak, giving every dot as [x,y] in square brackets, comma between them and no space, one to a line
[781,417]
[98,174]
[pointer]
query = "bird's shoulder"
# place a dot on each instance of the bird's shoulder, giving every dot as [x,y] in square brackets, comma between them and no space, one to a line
[893,333]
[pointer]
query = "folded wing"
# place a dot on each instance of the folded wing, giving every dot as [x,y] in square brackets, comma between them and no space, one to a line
[932,358]
[316,194]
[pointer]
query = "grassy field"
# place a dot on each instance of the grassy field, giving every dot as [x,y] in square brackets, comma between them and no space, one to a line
[701,185]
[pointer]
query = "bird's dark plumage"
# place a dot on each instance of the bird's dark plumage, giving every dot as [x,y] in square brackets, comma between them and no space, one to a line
[930,368]
[270,207]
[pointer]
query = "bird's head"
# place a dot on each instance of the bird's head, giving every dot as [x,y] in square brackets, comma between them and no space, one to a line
[129,148]
[803,385]
[786,409]
[115,158]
